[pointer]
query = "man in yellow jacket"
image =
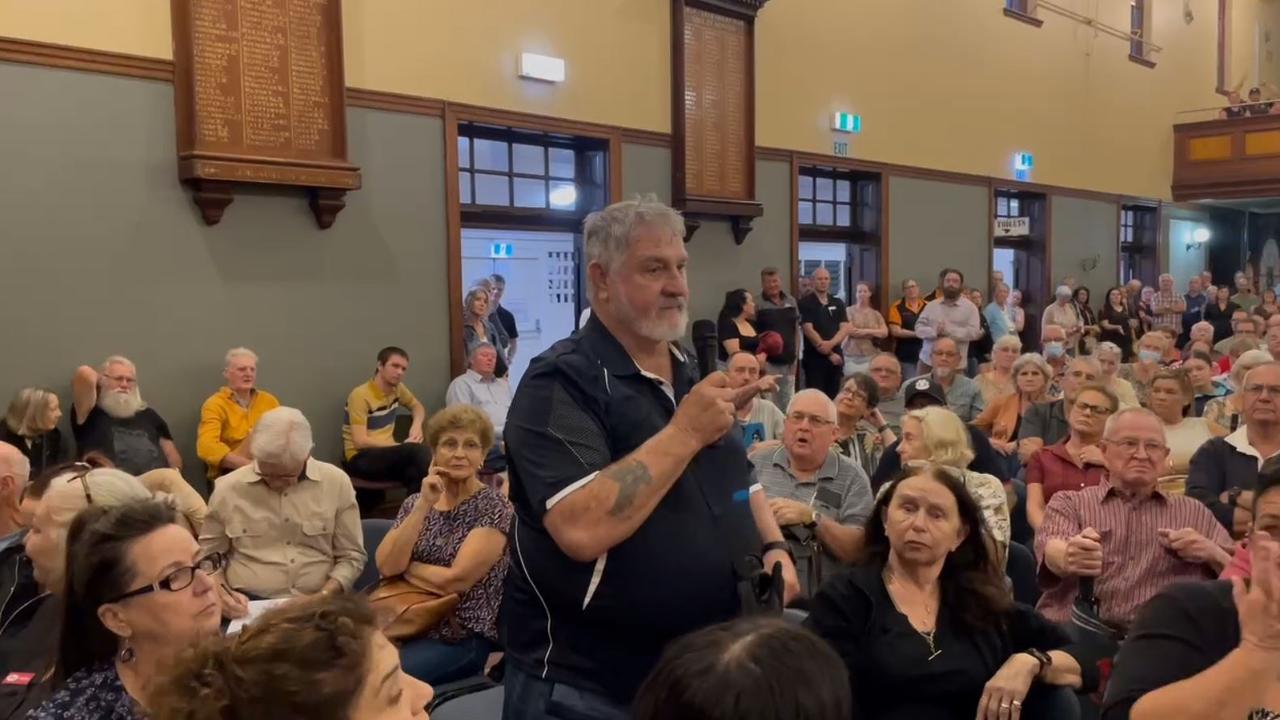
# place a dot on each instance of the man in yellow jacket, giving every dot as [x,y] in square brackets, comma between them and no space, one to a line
[228,416]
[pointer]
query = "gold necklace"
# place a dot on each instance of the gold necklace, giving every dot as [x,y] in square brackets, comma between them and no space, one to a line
[927,635]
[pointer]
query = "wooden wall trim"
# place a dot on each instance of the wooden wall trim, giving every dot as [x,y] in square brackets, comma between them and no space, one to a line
[453,233]
[394,102]
[66,57]
[652,138]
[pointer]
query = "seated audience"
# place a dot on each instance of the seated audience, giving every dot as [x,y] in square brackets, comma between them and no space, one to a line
[451,537]
[760,419]
[856,409]
[1245,327]
[925,625]
[1172,357]
[29,636]
[963,396]
[31,425]
[886,370]
[926,393]
[1267,307]
[1001,419]
[322,658]
[1208,649]
[479,386]
[1200,370]
[287,523]
[1201,331]
[1046,423]
[1129,536]
[735,328]
[1076,462]
[1256,106]
[998,380]
[866,325]
[1223,413]
[1169,398]
[108,416]
[15,471]
[818,497]
[753,668]
[138,591]
[1236,108]
[479,325]
[1108,356]
[934,435]
[1272,341]
[1150,360]
[1224,470]
[1053,347]
[228,416]
[368,433]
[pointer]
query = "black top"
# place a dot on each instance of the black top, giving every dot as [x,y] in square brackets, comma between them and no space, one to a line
[44,451]
[888,660]
[1220,319]
[727,329]
[980,349]
[583,405]
[907,350]
[985,460]
[782,320]
[28,648]
[1123,337]
[1236,111]
[94,693]
[1181,632]
[1259,109]
[826,318]
[508,322]
[1089,319]
[1217,467]
[133,444]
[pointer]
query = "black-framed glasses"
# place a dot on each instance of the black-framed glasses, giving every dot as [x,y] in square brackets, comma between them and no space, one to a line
[82,474]
[179,579]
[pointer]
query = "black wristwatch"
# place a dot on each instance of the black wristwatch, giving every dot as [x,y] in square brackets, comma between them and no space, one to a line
[1041,657]
[777,545]
[1233,496]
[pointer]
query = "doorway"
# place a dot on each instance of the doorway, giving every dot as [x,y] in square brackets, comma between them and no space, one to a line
[1020,253]
[838,213]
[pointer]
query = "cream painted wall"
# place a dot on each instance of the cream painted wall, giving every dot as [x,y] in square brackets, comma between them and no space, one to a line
[1255,44]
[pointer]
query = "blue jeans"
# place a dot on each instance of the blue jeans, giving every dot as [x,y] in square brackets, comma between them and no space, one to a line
[436,663]
[529,697]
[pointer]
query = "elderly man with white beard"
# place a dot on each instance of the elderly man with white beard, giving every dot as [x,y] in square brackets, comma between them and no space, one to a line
[108,416]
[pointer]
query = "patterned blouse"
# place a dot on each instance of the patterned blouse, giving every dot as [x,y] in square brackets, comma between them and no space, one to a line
[442,535]
[94,693]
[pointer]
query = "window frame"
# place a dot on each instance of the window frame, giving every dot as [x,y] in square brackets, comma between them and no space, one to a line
[1022,11]
[587,179]
[1140,33]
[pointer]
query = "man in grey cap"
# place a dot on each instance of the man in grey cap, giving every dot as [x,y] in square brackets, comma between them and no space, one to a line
[1063,314]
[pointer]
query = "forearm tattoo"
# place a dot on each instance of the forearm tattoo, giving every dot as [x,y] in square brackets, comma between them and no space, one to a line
[631,476]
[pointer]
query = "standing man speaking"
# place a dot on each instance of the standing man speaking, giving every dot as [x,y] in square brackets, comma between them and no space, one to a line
[633,502]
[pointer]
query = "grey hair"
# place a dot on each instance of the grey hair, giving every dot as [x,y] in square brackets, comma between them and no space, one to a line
[117,360]
[1110,427]
[1062,291]
[1166,275]
[1052,325]
[828,404]
[1107,347]
[477,347]
[1205,323]
[1012,341]
[1035,359]
[607,233]
[240,352]
[282,436]
[1248,372]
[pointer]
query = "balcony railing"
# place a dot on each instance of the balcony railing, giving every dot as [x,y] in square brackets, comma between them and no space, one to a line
[1227,158]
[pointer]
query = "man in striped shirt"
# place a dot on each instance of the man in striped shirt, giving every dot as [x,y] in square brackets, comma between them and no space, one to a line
[1125,533]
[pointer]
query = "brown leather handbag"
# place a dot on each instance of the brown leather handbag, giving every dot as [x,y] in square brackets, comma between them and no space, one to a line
[409,610]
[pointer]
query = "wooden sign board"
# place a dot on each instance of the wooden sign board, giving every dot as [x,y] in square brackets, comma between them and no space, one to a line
[260,99]
[713,105]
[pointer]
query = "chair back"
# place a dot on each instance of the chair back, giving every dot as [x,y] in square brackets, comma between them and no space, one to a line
[1021,569]
[374,529]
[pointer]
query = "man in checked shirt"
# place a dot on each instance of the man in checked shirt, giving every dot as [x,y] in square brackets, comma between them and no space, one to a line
[1124,532]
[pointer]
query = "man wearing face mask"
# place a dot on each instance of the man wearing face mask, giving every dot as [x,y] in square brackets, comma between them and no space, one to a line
[1063,314]
[1046,424]
[950,316]
[1053,344]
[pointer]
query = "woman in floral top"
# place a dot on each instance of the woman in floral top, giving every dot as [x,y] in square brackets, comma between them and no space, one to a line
[452,537]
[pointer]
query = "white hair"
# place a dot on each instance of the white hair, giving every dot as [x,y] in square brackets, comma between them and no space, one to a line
[1008,341]
[829,407]
[1052,325]
[240,352]
[13,462]
[282,436]
[1203,323]
[607,233]
[117,360]
[1063,291]
[1163,276]
[1112,421]
[1108,348]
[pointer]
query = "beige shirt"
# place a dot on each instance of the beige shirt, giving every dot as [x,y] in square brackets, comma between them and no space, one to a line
[286,543]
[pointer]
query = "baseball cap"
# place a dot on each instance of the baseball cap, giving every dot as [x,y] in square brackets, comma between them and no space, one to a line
[925,386]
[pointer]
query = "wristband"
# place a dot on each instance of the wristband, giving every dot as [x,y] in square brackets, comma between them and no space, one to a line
[1041,657]
[777,545]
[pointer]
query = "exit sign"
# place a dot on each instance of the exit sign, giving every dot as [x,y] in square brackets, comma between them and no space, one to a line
[502,250]
[846,122]
[840,148]
[1022,164]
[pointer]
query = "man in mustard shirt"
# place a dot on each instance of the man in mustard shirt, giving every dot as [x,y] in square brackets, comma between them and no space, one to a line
[228,416]
[368,432]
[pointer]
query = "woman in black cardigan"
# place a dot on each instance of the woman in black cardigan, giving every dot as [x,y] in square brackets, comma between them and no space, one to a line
[926,627]
[31,425]
[1218,313]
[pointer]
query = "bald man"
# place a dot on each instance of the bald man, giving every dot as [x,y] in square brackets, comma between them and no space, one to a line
[15,470]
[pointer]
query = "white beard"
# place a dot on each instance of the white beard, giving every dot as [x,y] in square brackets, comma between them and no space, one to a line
[655,328]
[121,405]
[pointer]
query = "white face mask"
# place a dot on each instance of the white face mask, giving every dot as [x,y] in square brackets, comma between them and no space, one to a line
[1148,356]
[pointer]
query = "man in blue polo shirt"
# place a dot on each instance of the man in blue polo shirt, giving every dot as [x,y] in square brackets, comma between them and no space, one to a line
[635,507]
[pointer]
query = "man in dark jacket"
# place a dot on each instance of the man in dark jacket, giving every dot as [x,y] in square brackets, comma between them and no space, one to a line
[29,620]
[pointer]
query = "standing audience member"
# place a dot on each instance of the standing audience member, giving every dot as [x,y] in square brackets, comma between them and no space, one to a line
[1108,356]
[1224,470]
[980,349]
[15,471]
[1224,336]
[1088,320]
[138,591]
[998,380]
[925,625]
[1002,419]
[1170,396]
[478,325]
[1129,536]
[1151,351]
[997,314]
[1225,414]
[1245,296]
[777,312]
[1117,324]
[1133,295]
[1046,424]
[760,419]
[1200,370]
[504,318]
[498,335]
[321,658]
[825,321]
[866,325]
[902,326]
[451,537]
[1200,332]
[1062,312]
[479,386]
[368,433]
[856,405]
[1167,307]
[963,395]
[1017,316]
[108,416]
[753,668]
[887,372]
[287,523]
[1145,318]
[1195,304]
[1053,345]
[735,326]
[951,316]
[1077,462]
[31,425]
[228,416]
[819,498]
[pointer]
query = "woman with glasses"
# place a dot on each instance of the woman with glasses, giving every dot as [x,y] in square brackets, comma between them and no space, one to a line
[855,410]
[1076,462]
[137,592]
[1170,396]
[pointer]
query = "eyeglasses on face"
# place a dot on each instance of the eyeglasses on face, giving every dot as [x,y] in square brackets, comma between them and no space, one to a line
[179,579]
[815,421]
[1094,410]
[122,379]
[1258,390]
[1131,446]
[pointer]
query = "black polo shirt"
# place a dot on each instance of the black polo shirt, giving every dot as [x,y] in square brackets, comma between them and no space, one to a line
[826,317]
[582,405]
